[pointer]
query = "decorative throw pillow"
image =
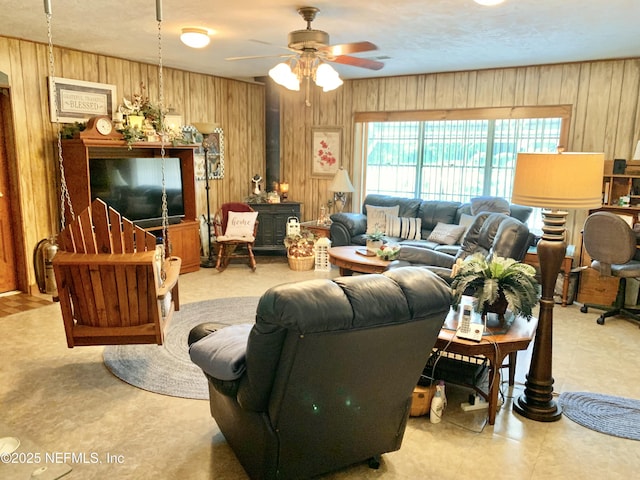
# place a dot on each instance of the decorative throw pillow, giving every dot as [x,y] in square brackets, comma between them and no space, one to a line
[240,226]
[376,217]
[403,227]
[466,221]
[446,234]
[489,204]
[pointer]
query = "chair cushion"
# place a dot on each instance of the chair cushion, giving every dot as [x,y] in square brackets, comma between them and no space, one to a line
[376,217]
[446,234]
[403,227]
[240,226]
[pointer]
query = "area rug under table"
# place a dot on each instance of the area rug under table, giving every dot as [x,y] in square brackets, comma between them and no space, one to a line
[167,368]
[615,416]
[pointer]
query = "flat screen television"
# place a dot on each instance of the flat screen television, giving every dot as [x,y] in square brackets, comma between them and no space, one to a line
[133,187]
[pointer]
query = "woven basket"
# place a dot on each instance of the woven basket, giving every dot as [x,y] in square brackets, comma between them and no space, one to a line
[301,263]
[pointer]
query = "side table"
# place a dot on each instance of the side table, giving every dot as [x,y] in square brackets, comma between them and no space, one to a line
[317,230]
[494,347]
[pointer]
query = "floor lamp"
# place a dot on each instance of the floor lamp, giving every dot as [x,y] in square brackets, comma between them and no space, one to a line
[552,181]
[207,129]
[341,185]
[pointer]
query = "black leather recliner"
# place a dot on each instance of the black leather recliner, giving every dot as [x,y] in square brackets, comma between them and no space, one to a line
[329,371]
[489,234]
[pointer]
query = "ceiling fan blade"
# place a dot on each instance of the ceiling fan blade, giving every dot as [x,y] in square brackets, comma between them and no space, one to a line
[253,57]
[347,48]
[358,62]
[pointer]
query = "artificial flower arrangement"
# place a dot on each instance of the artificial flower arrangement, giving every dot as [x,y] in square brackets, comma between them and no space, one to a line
[388,252]
[144,121]
[301,244]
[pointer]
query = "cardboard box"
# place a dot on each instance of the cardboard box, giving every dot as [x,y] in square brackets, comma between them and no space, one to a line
[596,288]
[421,400]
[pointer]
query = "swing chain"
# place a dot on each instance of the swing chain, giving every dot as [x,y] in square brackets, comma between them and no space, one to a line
[64,191]
[165,210]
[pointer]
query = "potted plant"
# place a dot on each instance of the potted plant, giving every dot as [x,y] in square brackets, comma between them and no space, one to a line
[374,241]
[300,250]
[495,284]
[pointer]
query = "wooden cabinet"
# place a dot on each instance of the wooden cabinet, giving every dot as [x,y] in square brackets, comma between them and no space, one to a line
[617,186]
[78,154]
[272,224]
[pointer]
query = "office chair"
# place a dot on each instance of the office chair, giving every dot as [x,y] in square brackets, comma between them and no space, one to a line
[611,244]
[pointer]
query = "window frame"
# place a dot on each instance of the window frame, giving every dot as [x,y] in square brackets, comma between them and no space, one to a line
[361,120]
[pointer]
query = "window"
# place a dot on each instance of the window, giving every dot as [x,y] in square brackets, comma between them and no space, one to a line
[454,155]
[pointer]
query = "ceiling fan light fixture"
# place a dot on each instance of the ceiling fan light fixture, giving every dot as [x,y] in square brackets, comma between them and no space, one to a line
[283,75]
[195,37]
[327,78]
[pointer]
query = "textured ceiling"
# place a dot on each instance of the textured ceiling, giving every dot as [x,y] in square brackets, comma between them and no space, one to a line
[413,36]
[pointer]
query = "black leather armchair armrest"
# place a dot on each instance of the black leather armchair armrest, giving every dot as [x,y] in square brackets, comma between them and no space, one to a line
[346,226]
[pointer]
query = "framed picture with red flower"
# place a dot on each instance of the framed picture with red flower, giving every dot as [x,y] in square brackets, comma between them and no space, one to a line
[326,151]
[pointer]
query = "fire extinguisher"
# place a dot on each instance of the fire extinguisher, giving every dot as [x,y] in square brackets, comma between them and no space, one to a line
[43,255]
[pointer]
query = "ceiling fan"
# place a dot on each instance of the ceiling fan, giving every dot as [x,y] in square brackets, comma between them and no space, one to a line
[311,52]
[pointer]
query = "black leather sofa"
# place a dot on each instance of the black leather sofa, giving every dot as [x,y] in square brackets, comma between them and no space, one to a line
[326,374]
[350,228]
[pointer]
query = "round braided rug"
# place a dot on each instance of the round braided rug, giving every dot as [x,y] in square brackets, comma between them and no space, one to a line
[615,416]
[167,368]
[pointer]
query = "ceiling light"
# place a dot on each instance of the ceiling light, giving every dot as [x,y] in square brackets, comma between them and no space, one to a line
[195,37]
[489,3]
[283,75]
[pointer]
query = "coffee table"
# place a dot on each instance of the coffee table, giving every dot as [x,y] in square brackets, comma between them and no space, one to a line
[349,260]
[493,347]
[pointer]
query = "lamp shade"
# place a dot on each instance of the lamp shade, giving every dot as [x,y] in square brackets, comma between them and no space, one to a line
[558,180]
[636,154]
[341,182]
[205,128]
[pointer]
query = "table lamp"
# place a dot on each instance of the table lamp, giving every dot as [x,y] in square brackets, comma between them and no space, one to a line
[284,191]
[552,181]
[207,129]
[340,185]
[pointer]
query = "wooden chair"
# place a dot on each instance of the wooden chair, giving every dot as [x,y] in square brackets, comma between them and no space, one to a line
[108,279]
[226,244]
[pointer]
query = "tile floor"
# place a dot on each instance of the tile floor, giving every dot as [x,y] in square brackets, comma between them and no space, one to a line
[16,302]
[65,400]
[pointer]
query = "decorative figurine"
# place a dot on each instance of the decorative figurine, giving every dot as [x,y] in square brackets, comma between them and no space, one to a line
[256,180]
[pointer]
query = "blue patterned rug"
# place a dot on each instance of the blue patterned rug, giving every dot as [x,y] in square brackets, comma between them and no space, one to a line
[615,416]
[167,368]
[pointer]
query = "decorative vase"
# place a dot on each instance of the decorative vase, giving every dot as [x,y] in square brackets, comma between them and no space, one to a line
[498,307]
[373,246]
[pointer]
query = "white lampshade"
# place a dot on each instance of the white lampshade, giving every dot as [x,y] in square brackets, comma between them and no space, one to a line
[195,37]
[341,182]
[558,180]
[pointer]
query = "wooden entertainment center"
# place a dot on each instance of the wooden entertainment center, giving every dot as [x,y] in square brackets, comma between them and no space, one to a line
[184,237]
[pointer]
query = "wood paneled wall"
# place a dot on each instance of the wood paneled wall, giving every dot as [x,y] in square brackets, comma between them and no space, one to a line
[237,106]
[605,96]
